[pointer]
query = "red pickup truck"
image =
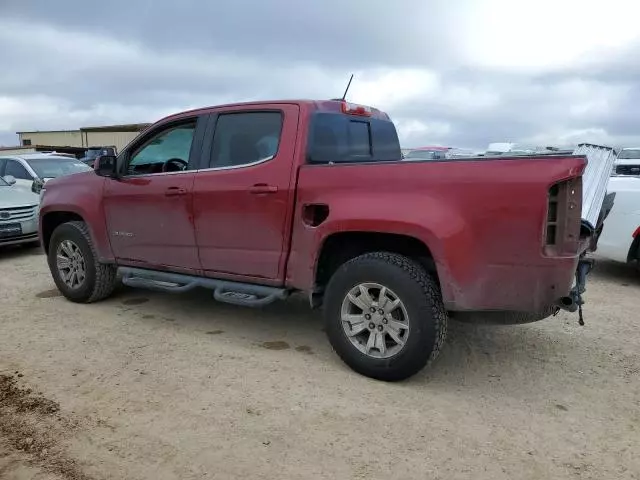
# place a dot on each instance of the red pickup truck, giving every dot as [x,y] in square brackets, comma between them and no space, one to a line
[258,200]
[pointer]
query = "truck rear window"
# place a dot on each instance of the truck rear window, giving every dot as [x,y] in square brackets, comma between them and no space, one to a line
[341,138]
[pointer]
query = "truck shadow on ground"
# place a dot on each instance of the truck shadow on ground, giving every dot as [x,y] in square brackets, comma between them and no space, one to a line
[515,360]
[474,354]
[622,273]
[477,354]
[508,357]
[12,252]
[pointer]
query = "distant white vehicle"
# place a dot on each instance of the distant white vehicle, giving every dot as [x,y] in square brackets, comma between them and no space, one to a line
[18,214]
[620,238]
[628,162]
[27,168]
[427,153]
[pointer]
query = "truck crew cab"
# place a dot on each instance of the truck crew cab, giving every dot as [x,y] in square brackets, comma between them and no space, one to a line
[259,200]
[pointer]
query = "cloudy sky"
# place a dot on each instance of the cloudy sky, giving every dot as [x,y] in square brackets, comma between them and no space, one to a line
[450,72]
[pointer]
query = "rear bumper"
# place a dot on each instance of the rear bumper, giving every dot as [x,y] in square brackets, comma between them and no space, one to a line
[519,288]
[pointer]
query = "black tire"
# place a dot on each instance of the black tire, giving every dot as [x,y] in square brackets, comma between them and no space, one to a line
[100,279]
[421,297]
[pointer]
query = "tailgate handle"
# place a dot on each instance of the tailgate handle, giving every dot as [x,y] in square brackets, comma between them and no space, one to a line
[262,188]
[175,191]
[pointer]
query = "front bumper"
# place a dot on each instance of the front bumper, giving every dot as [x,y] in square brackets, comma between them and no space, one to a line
[28,232]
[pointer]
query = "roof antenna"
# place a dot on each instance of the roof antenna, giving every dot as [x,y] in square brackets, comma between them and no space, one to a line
[347,89]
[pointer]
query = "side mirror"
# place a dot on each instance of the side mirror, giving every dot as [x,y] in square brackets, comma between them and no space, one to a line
[106,166]
[10,179]
[36,186]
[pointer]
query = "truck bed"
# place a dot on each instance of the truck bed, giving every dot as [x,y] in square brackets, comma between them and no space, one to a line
[484,222]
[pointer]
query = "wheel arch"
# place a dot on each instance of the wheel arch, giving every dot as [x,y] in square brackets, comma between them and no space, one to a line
[340,247]
[52,220]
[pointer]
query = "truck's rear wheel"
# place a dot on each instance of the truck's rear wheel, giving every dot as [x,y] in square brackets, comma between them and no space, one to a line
[74,265]
[384,316]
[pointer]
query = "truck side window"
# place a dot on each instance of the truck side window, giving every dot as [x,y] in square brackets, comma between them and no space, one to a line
[339,138]
[244,138]
[171,144]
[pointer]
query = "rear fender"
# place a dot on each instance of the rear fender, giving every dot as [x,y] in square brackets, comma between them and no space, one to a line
[439,227]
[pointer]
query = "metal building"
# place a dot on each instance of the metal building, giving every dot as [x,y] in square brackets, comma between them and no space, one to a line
[78,152]
[110,135]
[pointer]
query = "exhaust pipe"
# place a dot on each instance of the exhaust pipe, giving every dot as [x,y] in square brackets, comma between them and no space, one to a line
[573,302]
[567,303]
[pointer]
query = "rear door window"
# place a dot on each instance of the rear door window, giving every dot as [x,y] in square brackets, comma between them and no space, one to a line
[245,138]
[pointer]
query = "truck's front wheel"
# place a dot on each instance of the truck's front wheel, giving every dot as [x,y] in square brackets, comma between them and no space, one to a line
[384,316]
[75,267]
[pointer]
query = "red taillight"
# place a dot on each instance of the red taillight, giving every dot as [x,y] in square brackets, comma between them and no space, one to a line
[636,233]
[353,109]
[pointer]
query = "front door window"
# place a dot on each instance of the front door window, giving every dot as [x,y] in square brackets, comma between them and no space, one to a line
[167,152]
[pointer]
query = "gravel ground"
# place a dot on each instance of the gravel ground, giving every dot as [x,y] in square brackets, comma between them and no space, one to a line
[151,386]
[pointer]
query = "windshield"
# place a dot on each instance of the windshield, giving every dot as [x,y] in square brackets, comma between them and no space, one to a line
[425,155]
[630,153]
[53,167]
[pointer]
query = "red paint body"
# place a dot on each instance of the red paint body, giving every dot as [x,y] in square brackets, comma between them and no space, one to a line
[483,221]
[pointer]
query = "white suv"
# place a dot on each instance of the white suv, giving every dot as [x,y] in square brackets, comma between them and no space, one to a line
[620,238]
[18,214]
[627,163]
[38,166]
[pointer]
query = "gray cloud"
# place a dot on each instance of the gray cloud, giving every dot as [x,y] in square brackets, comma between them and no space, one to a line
[354,34]
[74,63]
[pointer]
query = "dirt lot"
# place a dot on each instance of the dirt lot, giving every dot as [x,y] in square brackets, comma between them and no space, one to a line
[149,386]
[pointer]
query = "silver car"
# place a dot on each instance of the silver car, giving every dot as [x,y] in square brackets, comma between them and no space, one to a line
[18,214]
